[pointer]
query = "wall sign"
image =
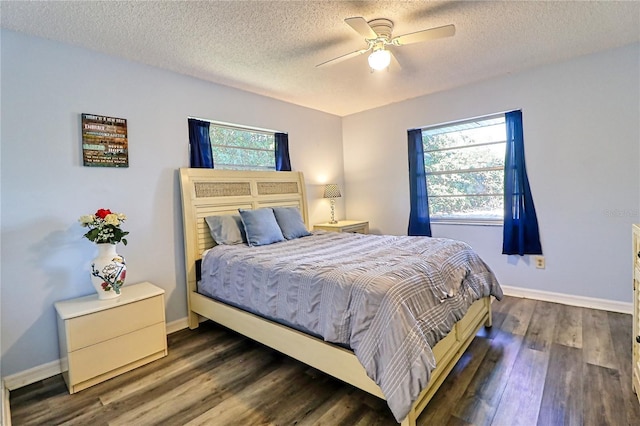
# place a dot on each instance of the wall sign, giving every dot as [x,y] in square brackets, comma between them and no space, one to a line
[104,141]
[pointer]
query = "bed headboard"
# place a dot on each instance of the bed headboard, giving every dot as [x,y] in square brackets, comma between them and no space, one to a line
[208,192]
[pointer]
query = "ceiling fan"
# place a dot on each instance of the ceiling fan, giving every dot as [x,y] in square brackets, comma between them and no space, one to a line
[377,34]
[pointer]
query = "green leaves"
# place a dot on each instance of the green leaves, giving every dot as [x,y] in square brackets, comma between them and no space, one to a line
[242,149]
[465,169]
[105,229]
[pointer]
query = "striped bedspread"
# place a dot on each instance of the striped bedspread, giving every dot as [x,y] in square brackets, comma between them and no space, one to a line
[389,298]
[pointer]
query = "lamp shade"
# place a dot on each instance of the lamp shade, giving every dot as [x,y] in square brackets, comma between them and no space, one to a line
[380,59]
[331,190]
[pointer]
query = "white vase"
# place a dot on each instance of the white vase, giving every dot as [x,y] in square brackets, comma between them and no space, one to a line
[108,271]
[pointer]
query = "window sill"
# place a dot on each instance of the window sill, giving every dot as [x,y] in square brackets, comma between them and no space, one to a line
[468,222]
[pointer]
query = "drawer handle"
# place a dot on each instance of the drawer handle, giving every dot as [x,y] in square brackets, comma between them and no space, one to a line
[638,339]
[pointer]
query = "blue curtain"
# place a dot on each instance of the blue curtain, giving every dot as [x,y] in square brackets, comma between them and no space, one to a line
[419,223]
[200,144]
[283,163]
[520,233]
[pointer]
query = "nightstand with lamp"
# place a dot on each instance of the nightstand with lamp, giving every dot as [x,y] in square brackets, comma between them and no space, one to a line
[332,191]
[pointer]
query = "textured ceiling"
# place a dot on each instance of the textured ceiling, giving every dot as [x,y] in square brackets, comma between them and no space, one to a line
[272,47]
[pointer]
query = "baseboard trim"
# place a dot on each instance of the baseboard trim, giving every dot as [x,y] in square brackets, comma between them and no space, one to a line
[32,375]
[567,299]
[6,408]
[177,325]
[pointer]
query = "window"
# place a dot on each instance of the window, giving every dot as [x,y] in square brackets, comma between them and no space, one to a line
[240,148]
[464,164]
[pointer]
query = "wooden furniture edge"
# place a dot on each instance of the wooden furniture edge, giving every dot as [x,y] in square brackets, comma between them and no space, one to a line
[635,356]
[113,373]
[331,359]
[5,417]
[344,226]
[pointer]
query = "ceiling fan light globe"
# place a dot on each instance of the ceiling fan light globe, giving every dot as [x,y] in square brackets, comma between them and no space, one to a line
[380,59]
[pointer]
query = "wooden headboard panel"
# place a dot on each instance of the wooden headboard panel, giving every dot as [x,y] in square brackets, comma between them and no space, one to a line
[208,192]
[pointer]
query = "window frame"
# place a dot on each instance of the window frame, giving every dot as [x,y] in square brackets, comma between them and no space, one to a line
[459,220]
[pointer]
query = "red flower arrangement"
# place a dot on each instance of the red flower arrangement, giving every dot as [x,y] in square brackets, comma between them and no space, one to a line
[104,227]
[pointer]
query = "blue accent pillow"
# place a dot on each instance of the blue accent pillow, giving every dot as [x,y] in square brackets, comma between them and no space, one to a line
[290,222]
[226,229]
[260,227]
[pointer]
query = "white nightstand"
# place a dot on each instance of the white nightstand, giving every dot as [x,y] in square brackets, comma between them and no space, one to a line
[357,226]
[100,339]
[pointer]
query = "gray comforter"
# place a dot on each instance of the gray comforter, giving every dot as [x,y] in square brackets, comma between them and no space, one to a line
[389,298]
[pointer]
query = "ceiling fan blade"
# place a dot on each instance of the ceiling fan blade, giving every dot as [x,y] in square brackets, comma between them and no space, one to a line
[424,35]
[361,26]
[343,58]
[395,65]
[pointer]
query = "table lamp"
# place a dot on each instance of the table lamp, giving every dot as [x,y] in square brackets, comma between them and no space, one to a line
[331,191]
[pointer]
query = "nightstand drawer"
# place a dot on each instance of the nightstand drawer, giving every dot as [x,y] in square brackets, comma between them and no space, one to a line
[87,330]
[356,229]
[103,357]
[351,226]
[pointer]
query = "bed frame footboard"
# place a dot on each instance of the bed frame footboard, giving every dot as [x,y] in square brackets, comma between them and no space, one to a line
[338,361]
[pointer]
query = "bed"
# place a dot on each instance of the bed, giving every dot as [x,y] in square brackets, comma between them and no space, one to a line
[208,193]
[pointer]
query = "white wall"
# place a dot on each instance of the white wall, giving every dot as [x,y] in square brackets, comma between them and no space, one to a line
[581,127]
[45,188]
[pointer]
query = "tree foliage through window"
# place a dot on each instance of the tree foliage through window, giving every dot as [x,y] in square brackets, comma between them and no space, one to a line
[241,149]
[464,163]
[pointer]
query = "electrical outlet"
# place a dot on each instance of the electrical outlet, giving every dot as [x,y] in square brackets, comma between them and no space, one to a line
[539,262]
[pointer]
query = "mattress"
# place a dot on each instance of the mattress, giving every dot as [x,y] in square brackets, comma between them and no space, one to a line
[388,298]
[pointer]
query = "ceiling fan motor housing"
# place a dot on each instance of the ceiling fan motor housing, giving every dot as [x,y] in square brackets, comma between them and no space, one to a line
[382,27]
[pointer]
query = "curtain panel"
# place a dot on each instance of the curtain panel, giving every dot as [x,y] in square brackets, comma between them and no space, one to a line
[419,223]
[283,162]
[201,155]
[520,231]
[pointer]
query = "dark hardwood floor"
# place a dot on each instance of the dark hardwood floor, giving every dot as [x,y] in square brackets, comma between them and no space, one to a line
[540,364]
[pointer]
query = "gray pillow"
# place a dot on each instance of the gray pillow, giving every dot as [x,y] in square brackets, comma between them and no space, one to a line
[290,222]
[260,226]
[226,229]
